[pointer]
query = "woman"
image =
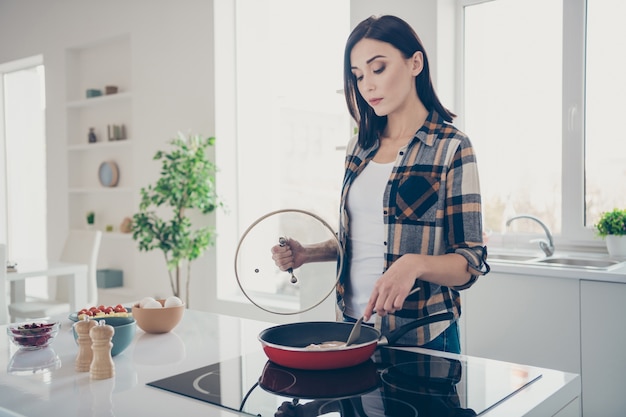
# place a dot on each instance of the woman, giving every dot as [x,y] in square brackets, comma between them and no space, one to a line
[410,222]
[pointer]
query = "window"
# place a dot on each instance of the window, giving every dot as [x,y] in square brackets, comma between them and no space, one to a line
[546,146]
[281,120]
[23,162]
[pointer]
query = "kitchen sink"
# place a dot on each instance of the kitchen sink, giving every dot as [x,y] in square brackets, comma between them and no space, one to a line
[511,257]
[580,262]
[567,261]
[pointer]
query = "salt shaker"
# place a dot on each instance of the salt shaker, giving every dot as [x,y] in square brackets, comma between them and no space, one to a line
[85,354]
[102,366]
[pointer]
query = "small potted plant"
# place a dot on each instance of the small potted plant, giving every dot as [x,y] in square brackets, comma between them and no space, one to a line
[91,219]
[612,227]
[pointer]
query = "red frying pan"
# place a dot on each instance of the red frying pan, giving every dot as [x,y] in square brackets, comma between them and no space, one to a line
[290,344]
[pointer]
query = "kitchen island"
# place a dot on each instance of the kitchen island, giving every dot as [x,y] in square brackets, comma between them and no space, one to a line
[44,382]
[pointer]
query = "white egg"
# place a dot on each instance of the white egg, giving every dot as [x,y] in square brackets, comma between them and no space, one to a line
[152,304]
[144,300]
[173,302]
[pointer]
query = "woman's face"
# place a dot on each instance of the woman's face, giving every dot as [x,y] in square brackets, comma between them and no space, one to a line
[384,78]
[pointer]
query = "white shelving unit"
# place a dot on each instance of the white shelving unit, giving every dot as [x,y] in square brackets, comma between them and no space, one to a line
[95,66]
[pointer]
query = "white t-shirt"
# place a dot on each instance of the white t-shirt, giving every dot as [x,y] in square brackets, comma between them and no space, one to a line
[365,205]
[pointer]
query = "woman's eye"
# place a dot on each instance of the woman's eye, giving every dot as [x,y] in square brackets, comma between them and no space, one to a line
[379,70]
[358,77]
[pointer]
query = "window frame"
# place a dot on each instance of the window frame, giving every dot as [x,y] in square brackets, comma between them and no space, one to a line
[574,234]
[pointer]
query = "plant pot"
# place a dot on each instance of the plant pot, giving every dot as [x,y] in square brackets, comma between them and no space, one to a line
[616,245]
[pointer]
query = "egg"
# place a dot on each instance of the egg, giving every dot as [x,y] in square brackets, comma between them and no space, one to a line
[173,302]
[145,300]
[152,304]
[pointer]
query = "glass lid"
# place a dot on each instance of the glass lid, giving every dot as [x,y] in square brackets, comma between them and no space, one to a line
[285,292]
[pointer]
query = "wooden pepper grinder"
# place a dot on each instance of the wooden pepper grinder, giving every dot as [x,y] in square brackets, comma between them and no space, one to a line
[85,354]
[102,366]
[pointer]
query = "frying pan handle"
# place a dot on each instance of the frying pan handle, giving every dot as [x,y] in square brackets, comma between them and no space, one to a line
[395,335]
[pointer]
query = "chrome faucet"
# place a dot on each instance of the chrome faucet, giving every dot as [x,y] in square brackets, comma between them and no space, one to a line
[546,247]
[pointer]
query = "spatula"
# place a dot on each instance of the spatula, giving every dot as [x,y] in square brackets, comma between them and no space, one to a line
[356,330]
[355,333]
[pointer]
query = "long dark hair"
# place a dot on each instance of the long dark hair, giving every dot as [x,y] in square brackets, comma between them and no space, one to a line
[397,32]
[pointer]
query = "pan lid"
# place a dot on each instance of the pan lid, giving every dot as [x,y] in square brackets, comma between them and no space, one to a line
[285,292]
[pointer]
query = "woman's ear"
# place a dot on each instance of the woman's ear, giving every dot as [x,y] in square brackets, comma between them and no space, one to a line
[417,63]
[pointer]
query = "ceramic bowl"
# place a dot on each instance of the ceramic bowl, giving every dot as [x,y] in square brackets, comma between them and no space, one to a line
[34,334]
[158,320]
[122,338]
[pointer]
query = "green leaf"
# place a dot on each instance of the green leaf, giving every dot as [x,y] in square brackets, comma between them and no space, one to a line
[612,223]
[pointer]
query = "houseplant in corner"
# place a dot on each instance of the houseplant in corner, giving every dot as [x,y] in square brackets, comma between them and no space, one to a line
[612,227]
[186,183]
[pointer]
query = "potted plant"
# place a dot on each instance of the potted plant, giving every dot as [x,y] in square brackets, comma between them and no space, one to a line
[186,182]
[612,227]
[91,219]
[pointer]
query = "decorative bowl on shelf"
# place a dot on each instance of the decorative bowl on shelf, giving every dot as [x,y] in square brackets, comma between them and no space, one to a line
[93,92]
[108,174]
[34,334]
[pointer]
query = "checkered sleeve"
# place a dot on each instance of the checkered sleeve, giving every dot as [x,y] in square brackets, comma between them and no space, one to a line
[463,211]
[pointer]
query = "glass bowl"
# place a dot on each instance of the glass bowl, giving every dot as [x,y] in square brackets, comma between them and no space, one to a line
[34,334]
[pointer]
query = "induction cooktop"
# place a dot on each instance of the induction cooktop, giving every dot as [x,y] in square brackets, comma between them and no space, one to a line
[394,382]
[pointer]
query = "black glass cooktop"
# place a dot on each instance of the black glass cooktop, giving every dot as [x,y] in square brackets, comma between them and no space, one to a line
[392,383]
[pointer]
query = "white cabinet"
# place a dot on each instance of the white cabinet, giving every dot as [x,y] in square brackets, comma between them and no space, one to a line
[570,410]
[524,319]
[603,348]
[569,324]
[94,67]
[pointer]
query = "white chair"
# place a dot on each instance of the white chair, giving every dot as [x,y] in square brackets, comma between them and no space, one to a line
[81,246]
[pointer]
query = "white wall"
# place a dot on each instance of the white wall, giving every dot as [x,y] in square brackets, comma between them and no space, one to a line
[172,77]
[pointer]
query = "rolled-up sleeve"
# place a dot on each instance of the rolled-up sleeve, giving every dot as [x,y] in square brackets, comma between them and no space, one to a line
[464,213]
[476,261]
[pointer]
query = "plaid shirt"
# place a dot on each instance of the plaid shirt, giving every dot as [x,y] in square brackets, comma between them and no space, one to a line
[432,206]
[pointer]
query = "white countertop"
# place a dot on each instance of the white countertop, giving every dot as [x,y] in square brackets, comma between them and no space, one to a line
[199,340]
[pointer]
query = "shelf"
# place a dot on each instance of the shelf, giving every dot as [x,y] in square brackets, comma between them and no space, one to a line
[85,190]
[100,100]
[96,65]
[116,235]
[100,145]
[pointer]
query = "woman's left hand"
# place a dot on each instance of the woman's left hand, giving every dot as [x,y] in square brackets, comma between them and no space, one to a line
[393,287]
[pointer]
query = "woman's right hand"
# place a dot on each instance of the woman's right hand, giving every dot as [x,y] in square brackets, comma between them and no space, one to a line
[289,255]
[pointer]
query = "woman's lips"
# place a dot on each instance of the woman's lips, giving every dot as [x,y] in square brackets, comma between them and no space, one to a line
[375,101]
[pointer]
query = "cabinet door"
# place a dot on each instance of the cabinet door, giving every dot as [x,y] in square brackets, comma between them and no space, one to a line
[603,347]
[531,320]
